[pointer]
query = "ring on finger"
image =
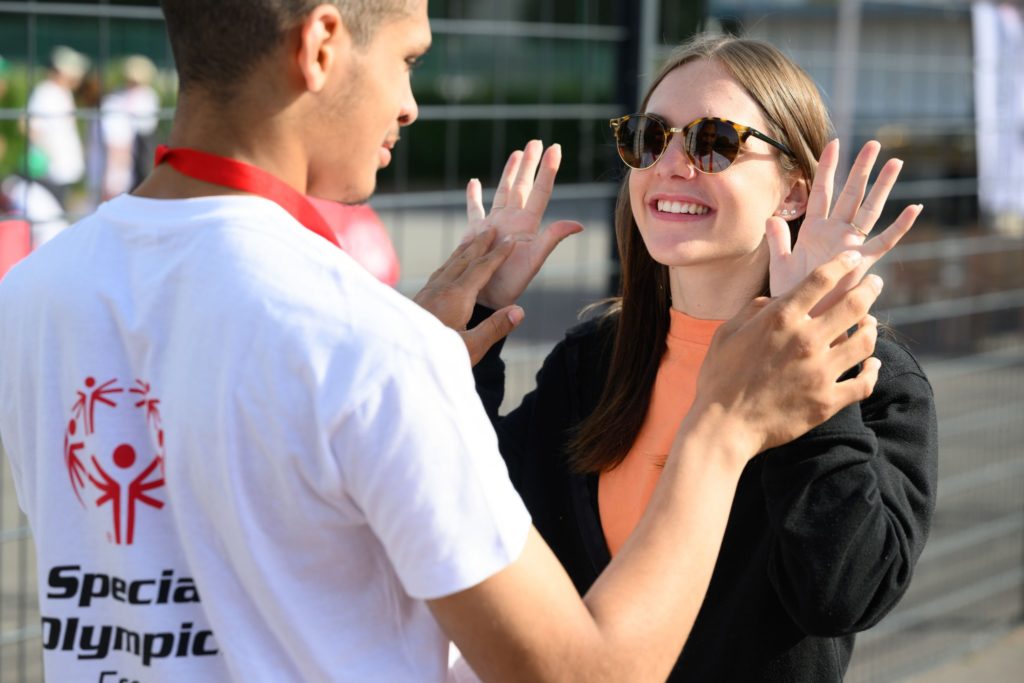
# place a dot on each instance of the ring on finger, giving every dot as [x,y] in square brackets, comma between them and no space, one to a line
[859,230]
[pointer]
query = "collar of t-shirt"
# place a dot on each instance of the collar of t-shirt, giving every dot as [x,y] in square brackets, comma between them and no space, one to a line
[238,175]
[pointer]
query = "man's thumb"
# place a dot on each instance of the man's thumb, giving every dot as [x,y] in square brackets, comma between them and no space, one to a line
[491,330]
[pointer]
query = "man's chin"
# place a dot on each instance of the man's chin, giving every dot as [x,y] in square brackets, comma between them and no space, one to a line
[349,195]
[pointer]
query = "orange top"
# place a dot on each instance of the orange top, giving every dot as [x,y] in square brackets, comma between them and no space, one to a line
[623,492]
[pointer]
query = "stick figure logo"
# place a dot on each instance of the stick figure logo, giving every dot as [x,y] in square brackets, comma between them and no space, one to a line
[114,451]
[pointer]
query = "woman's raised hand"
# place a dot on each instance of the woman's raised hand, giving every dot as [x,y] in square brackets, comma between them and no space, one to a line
[516,212]
[848,225]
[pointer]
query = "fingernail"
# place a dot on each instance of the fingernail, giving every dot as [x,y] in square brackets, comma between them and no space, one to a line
[875,282]
[515,315]
[852,257]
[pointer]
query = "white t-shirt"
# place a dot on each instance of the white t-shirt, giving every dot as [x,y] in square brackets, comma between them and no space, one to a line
[242,457]
[51,122]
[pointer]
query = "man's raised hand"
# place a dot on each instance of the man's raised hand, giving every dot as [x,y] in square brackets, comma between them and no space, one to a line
[452,290]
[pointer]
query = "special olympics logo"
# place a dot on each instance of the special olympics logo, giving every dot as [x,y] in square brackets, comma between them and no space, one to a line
[114,451]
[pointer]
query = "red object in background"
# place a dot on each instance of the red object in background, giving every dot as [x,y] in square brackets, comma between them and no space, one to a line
[362,236]
[15,243]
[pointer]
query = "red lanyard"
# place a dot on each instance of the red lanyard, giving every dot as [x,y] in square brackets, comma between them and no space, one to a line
[238,175]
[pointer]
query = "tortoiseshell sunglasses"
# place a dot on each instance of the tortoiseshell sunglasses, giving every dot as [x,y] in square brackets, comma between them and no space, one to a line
[711,144]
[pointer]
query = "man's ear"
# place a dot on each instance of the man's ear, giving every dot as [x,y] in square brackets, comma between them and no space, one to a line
[323,39]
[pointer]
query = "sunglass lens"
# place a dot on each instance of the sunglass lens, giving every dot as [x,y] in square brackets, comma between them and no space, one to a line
[712,145]
[641,141]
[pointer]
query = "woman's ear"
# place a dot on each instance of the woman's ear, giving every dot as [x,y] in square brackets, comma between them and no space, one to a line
[323,40]
[794,203]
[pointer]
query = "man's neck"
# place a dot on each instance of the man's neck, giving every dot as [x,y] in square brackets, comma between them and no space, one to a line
[238,132]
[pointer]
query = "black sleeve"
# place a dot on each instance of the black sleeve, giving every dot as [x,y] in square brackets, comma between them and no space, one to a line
[533,435]
[489,373]
[850,503]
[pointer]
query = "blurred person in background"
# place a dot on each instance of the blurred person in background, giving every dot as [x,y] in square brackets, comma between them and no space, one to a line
[824,532]
[128,118]
[52,127]
[24,193]
[88,96]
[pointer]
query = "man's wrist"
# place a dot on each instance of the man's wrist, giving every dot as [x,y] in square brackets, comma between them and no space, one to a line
[717,434]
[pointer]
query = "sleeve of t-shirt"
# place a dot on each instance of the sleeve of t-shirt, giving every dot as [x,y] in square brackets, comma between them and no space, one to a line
[420,460]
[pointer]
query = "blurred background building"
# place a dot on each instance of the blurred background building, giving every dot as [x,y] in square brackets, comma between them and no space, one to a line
[938,82]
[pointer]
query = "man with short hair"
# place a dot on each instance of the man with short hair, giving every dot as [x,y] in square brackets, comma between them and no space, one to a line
[245,459]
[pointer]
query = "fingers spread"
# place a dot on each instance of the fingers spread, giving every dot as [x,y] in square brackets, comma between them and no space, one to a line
[868,213]
[890,237]
[474,202]
[507,176]
[538,199]
[523,182]
[853,192]
[820,199]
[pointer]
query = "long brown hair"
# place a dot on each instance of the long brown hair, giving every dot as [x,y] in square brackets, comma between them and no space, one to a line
[796,115]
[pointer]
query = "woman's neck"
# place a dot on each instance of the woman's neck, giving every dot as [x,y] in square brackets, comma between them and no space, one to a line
[718,290]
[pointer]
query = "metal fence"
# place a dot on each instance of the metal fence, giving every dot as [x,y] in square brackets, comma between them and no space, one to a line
[502,73]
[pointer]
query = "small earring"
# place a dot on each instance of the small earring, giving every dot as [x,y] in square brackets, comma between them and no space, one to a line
[786,212]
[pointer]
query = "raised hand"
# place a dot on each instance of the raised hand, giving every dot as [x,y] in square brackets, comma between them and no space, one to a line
[517,209]
[773,369]
[847,226]
[452,290]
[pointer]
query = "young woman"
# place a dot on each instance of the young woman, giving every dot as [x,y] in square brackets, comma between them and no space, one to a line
[825,531]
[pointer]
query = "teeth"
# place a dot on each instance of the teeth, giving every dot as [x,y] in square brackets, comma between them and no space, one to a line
[668,206]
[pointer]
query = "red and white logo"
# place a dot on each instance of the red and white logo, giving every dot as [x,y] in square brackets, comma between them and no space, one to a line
[114,451]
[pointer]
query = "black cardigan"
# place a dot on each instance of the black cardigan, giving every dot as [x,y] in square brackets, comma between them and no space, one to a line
[823,533]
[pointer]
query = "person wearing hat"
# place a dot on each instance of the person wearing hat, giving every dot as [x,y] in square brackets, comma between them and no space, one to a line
[52,130]
[128,119]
